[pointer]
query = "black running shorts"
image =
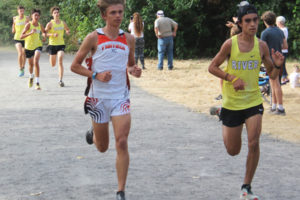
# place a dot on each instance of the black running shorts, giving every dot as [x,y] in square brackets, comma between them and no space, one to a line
[20,41]
[30,53]
[233,118]
[53,49]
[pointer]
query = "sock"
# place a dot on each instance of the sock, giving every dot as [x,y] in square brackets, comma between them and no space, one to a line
[246,186]
[31,76]
[37,79]
[280,107]
[274,106]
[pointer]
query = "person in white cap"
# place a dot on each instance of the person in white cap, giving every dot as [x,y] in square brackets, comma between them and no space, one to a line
[165,30]
[280,22]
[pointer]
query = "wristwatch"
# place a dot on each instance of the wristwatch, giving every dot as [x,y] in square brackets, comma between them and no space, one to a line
[94,75]
[276,67]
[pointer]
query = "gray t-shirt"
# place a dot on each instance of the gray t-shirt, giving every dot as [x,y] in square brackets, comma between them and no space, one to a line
[165,26]
[273,36]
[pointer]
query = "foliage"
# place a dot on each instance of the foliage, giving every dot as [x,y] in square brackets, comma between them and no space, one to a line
[201,29]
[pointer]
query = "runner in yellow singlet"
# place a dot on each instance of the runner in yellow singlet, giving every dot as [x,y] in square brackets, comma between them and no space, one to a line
[17,28]
[242,101]
[55,31]
[33,46]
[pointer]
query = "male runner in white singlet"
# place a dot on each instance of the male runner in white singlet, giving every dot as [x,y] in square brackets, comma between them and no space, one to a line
[112,53]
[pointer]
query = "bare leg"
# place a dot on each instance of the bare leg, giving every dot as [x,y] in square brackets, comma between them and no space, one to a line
[52,60]
[121,126]
[21,55]
[232,139]
[37,55]
[60,64]
[276,91]
[253,125]
[30,62]
[101,136]
[23,58]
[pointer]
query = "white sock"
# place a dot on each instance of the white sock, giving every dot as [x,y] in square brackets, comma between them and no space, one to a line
[280,107]
[274,106]
[37,79]
[31,76]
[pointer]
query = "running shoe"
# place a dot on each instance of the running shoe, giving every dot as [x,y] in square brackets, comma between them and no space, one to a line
[89,136]
[61,84]
[30,82]
[121,195]
[21,73]
[37,86]
[272,110]
[247,194]
[280,112]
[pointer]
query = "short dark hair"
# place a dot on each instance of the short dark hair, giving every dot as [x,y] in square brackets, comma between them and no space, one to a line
[21,7]
[36,10]
[269,17]
[54,8]
[244,10]
[103,4]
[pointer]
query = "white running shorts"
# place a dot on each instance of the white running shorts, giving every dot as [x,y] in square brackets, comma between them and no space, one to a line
[101,110]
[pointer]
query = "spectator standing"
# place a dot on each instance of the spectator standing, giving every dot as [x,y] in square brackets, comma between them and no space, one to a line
[165,30]
[280,22]
[136,28]
[275,39]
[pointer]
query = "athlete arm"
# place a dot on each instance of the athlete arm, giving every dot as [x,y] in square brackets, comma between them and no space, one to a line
[13,30]
[43,33]
[133,69]
[26,28]
[48,28]
[67,28]
[214,67]
[89,44]
[278,59]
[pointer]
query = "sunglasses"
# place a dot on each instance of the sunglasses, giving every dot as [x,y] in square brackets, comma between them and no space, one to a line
[248,20]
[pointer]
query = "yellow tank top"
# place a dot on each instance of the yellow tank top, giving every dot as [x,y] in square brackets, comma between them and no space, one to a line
[33,41]
[57,28]
[19,26]
[246,66]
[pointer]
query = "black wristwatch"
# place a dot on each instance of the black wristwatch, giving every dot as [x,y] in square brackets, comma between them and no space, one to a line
[276,67]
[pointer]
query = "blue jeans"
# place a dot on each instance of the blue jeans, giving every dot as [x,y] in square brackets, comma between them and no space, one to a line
[165,45]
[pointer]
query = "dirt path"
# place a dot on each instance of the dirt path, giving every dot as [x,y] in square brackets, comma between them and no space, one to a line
[175,154]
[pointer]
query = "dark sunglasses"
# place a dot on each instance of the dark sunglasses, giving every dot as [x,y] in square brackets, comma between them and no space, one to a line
[248,20]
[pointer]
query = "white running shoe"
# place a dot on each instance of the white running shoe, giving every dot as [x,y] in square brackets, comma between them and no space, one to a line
[246,194]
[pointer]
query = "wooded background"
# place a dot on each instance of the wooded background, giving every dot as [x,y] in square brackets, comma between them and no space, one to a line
[201,23]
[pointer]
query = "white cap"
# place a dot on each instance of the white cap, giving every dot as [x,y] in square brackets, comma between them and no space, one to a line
[160,13]
[280,19]
[243,3]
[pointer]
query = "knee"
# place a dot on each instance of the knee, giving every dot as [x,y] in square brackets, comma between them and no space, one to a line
[121,144]
[35,62]
[101,148]
[233,151]
[253,146]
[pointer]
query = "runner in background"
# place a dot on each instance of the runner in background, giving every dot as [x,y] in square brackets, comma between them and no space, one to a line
[17,28]
[33,46]
[55,31]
